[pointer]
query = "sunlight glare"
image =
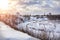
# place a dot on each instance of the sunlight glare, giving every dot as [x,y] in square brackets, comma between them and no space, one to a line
[3,4]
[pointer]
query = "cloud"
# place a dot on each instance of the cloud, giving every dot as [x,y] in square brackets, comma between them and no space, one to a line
[37,6]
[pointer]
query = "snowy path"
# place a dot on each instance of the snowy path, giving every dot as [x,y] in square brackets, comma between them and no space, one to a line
[7,33]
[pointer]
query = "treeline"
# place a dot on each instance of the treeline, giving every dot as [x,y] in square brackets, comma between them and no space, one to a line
[53,17]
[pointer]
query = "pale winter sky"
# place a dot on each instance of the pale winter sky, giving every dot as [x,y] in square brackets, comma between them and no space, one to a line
[37,6]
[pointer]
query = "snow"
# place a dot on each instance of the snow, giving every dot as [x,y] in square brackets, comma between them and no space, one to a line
[10,34]
[51,28]
[34,25]
[38,25]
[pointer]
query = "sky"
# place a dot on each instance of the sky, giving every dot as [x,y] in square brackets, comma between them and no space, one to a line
[39,7]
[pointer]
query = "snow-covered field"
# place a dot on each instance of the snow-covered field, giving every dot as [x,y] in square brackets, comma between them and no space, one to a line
[7,33]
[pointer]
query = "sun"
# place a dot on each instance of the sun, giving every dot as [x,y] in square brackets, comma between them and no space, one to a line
[3,4]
